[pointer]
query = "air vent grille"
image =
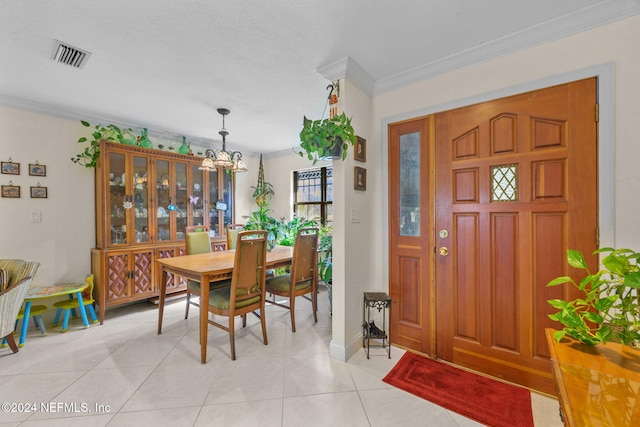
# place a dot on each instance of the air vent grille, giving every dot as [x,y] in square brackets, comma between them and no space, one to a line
[69,55]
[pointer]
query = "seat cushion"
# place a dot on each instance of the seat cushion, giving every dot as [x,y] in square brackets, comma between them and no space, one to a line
[282,283]
[219,298]
[195,286]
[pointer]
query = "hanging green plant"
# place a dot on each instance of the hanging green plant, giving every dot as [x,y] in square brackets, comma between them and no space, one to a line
[89,156]
[327,138]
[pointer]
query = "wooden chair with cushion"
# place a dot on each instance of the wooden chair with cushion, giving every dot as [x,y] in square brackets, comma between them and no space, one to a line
[303,278]
[15,277]
[198,242]
[69,306]
[232,234]
[246,294]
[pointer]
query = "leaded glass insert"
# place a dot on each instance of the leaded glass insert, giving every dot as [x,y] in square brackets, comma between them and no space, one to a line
[504,186]
[410,184]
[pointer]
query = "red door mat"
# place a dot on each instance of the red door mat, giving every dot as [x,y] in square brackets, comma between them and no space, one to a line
[483,399]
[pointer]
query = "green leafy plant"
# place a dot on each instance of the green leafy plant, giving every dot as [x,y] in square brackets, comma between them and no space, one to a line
[90,155]
[290,229]
[319,138]
[261,220]
[609,309]
[325,265]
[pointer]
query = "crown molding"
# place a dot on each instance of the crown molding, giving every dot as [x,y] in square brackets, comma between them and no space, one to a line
[602,13]
[351,70]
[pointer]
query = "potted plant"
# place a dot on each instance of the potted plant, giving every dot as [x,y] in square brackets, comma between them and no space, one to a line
[89,156]
[328,138]
[289,229]
[261,220]
[610,307]
[325,264]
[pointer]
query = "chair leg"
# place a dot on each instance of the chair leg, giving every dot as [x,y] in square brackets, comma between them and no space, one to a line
[186,311]
[12,343]
[65,321]
[292,312]
[263,320]
[92,312]
[40,323]
[232,339]
[57,318]
[244,320]
[314,306]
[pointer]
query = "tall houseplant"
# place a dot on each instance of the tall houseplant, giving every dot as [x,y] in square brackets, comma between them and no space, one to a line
[260,219]
[320,138]
[610,307]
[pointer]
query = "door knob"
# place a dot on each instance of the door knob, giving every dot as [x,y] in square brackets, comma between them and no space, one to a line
[444,251]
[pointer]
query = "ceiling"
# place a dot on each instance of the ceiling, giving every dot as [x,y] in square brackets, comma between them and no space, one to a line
[168,65]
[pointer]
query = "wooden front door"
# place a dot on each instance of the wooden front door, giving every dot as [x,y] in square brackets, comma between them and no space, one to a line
[410,237]
[516,186]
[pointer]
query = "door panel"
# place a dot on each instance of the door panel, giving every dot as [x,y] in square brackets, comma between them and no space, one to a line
[409,236]
[516,186]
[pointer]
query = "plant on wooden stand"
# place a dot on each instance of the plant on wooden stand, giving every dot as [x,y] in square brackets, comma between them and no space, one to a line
[260,219]
[610,308]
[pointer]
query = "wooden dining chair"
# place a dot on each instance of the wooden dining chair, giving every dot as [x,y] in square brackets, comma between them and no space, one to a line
[232,234]
[198,242]
[303,278]
[246,294]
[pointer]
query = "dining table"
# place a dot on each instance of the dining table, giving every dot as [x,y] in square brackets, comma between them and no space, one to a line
[205,268]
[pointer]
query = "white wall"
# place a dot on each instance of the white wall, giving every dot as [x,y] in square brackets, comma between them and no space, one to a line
[62,241]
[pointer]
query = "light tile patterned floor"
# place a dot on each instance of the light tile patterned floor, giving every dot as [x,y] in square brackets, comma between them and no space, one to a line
[123,374]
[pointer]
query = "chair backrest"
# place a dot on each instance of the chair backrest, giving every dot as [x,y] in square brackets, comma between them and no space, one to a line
[18,269]
[248,279]
[232,234]
[194,228]
[87,294]
[198,242]
[305,256]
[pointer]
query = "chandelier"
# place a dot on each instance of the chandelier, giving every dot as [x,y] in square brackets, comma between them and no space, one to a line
[231,160]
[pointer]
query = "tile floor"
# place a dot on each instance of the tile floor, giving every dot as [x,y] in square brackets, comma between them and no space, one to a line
[123,374]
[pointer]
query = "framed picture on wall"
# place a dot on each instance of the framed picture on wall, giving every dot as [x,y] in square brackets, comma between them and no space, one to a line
[11,168]
[359,178]
[360,149]
[36,169]
[39,192]
[11,191]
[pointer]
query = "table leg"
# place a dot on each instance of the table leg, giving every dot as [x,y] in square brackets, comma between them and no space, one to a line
[204,316]
[83,311]
[25,322]
[163,292]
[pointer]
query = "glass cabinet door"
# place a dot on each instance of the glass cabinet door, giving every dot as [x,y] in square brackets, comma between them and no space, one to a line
[163,197]
[213,199]
[227,199]
[196,197]
[181,199]
[141,199]
[117,195]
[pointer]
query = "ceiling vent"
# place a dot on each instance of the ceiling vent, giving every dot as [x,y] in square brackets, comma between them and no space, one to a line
[69,55]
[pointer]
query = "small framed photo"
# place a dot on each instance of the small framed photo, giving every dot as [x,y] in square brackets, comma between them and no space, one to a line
[11,191]
[39,192]
[36,169]
[11,168]
[360,178]
[360,149]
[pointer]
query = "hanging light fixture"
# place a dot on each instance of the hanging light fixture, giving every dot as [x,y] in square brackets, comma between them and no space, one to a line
[231,160]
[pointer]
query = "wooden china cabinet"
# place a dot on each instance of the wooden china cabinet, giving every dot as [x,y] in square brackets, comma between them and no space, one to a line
[145,199]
